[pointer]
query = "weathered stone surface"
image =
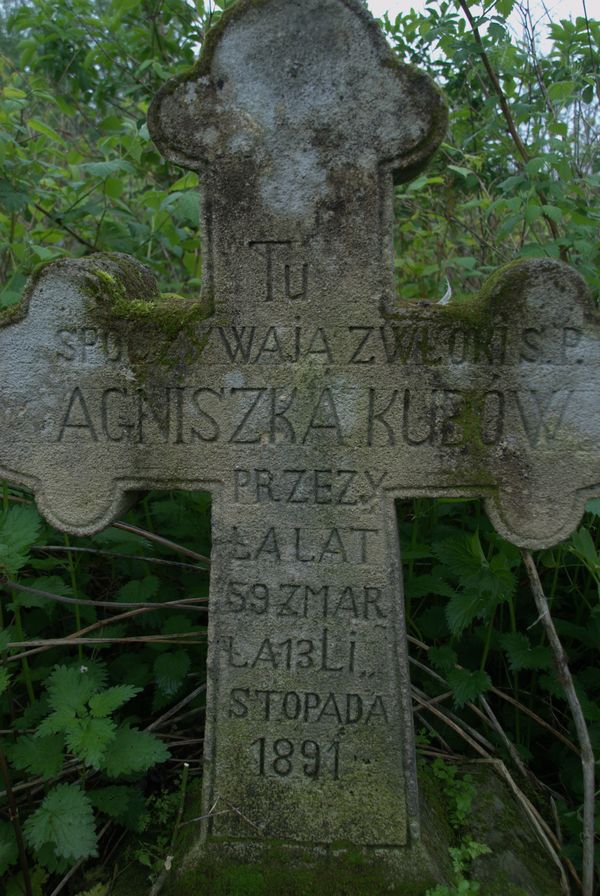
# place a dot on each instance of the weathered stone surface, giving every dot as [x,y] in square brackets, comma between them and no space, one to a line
[306,399]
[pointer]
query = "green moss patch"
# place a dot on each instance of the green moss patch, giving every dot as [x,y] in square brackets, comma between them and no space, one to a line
[350,873]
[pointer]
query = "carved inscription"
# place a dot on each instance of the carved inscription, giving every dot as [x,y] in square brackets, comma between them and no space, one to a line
[268,415]
[426,344]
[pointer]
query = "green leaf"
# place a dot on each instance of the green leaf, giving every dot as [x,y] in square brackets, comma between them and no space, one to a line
[467,686]
[108,168]
[533,211]
[133,751]
[426,584]
[13,200]
[464,607]
[57,722]
[65,821]
[70,688]
[4,679]
[561,91]
[89,738]
[442,658]
[593,506]
[13,93]
[460,554]
[9,852]
[553,212]
[464,172]
[125,804]
[122,6]
[104,703]
[139,590]
[19,529]
[522,655]
[46,130]
[170,670]
[6,636]
[113,187]
[185,207]
[40,756]
[582,544]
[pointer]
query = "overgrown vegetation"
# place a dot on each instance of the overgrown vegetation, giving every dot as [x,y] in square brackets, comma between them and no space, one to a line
[95,732]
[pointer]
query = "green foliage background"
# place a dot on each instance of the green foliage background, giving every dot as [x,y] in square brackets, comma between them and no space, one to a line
[78,174]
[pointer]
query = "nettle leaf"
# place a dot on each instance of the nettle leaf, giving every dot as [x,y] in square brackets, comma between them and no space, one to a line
[6,636]
[4,679]
[465,559]
[9,852]
[89,738]
[139,590]
[65,821]
[132,751]
[70,687]
[41,756]
[466,685]
[466,606]
[98,890]
[19,529]
[429,583]
[58,722]
[460,554]
[522,655]
[125,804]
[496,579]
[442,658]
[104,703]
[170,670]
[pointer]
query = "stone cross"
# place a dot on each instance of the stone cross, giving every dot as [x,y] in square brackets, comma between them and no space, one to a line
[306,398]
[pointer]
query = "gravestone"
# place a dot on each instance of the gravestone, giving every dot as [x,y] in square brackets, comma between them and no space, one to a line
[306,398]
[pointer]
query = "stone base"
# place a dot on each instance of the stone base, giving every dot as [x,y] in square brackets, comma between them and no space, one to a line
[517,866]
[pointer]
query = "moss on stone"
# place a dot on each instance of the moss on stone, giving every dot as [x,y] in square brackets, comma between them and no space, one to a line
[127,290]
[348,872]
[284,869]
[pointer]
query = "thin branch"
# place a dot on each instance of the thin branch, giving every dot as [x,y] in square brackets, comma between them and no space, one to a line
[158,539]
[58,548]
[175,709]
[58,220]
[186,603]
[510,122]
[141,639]
[587,753]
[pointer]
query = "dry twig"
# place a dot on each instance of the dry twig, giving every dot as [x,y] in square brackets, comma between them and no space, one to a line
[587,754]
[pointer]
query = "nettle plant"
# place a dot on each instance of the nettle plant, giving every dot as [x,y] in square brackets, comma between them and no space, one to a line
[74,750]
